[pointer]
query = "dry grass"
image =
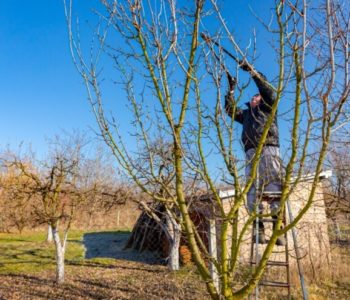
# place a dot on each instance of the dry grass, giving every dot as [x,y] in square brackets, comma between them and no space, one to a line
[332,281]
[27,272]
[92,280]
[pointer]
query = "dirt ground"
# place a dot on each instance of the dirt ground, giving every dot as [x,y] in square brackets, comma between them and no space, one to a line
[120,280]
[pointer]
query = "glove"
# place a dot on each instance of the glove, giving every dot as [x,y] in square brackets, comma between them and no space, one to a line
[232,81]
[228,103]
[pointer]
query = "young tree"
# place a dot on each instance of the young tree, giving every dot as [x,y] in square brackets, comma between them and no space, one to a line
[56,184]
[338,189]
[155,169]
[161,46]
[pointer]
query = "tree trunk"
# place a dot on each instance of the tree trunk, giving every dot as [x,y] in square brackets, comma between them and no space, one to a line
[175,235]
[213,253]
[49,237]
[60,251]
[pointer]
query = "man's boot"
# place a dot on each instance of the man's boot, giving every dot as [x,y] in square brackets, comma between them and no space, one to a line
[281,240]
[261,233]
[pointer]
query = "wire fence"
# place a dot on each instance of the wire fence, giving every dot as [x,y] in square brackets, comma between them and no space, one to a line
[339,232]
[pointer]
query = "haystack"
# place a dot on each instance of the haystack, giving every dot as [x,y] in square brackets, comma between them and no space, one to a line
[148,234]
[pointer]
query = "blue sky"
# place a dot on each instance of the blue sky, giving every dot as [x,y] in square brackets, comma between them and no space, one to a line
[41,92]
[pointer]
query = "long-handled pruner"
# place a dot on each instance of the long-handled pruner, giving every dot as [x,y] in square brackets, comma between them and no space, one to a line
[210,41]
[243,64]
[231,80]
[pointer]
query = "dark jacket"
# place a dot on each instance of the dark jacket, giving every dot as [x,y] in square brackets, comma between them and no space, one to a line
[254,119]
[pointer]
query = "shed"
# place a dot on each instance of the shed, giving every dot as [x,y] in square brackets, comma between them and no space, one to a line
[311,231]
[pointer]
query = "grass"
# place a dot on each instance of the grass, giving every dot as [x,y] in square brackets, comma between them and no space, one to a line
[27,270]
[30,253]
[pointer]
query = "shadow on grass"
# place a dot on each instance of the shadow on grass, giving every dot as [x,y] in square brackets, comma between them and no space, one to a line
[96,264]
[16,255]
[32,287]
[111,245]
[29,278]
[106,286]
[14,240]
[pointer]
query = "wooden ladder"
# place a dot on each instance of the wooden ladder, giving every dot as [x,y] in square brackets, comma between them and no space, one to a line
[283,264]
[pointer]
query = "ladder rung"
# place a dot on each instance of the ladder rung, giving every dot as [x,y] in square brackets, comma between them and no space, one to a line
[274,283]
[273,263]
[269,194]
[267,220]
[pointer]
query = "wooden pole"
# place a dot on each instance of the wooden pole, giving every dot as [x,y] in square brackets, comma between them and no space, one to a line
[213,253]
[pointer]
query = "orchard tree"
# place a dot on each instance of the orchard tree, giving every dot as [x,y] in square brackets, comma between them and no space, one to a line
[56,184]
[155,169]
[170,78]
[338,189]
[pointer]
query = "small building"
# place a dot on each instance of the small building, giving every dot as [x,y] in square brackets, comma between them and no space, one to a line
[311,231]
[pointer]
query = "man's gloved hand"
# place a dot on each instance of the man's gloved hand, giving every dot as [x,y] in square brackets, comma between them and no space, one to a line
[245,66]
[228,102]
[232,81]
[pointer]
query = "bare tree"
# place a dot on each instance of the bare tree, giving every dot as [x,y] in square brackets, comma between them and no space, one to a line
[161,46]
[338,188]
[341,185]
[99,180]
[55,183]
[156,171]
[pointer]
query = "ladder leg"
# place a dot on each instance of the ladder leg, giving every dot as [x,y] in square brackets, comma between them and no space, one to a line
[297,254]
[252,249]
[257,204]
[287,256]
[251,256]
[257,258]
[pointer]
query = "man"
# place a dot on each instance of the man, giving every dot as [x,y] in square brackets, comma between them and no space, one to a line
[253,119]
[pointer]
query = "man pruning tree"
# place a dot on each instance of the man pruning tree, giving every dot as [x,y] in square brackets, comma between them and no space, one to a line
[253,119]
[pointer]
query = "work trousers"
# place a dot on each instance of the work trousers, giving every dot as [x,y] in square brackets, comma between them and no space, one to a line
[269,174]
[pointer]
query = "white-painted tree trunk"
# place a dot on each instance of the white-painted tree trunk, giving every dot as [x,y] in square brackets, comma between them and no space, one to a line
[49,237]
[60,251]
[174,231]
[213,253]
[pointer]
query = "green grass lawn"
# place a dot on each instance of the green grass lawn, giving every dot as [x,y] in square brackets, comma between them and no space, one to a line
[30,253]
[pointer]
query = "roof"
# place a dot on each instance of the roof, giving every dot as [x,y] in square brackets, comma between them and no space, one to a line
[229,192]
